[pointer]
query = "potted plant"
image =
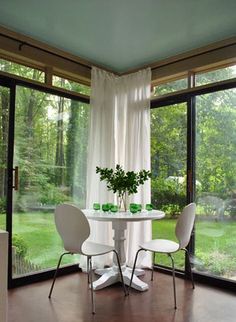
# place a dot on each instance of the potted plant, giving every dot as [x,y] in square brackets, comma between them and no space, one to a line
[123,183]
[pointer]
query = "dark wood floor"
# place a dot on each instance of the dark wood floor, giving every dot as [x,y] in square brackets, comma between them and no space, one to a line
[70,302]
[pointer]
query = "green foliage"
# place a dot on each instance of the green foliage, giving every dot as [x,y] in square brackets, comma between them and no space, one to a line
[20,245]
[217,263]
[52,195]
[169,87]
[3,205]
[168,195]
[214,255]
[51,135]
[120,181]
[44,245]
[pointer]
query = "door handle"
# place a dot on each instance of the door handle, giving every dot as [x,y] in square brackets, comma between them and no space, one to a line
[16,178]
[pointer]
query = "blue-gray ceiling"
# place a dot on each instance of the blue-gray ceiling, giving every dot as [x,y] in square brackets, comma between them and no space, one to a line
[122,34]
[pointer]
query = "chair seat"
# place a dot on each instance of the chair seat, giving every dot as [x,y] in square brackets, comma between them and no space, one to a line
[161,246]
[94,249]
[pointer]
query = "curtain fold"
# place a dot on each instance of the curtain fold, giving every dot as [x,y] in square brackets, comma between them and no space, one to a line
[119,133]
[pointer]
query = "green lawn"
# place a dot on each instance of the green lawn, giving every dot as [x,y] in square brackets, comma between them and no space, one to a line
[215,242]
[215,250]
[43,243]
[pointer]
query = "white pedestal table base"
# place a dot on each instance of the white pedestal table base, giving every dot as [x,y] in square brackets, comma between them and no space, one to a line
[111,276]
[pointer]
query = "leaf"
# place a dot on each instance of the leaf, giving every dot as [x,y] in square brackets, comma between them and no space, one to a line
[120,181]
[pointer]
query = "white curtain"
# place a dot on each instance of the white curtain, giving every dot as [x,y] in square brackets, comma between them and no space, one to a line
[119,133]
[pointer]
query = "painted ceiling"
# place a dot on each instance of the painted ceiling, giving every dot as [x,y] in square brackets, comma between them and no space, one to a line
[122,34]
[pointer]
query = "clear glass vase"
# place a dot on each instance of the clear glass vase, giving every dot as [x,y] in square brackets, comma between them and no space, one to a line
[122,202]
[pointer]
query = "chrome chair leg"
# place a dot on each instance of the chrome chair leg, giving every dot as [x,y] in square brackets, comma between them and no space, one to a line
[132,275]
[173,274]
[88,268]
[121,275]
[190,268]
[91,284]
[153,261]
[55,275]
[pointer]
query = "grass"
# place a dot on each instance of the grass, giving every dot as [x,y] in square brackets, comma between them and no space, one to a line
[43,243]
[214,246]
[215,250]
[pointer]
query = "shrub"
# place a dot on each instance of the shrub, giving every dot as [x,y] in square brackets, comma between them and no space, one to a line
[168,195]
[3,205]
[217,262]
[20,245]
[52,195]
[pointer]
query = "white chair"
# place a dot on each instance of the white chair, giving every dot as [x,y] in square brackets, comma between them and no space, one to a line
[73,227]
[183,231]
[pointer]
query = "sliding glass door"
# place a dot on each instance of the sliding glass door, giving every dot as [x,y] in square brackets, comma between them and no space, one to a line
[50,156]
[215,232]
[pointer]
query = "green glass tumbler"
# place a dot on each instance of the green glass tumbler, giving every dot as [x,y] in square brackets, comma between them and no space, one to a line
[139,207]
[105,207]
[149,206]
[133,207]
[110,205]
[133,210]
[114,208]
[96,206]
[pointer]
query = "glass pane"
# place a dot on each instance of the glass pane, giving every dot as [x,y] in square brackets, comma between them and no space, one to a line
[51,138]
[21,70]
[168,162]
[215,76]
[216,189]
[70,85]
[4,121]
[170,87]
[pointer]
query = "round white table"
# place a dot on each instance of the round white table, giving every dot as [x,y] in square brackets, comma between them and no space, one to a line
[119,221]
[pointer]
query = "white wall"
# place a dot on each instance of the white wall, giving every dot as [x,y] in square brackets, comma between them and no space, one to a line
[3,274]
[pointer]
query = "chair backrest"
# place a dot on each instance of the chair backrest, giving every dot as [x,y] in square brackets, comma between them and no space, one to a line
[185,224]
[73,227]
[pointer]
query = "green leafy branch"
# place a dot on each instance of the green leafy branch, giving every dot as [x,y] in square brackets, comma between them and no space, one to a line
[122,182]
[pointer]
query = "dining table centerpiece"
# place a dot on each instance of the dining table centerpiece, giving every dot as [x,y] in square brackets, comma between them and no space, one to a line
[123,183]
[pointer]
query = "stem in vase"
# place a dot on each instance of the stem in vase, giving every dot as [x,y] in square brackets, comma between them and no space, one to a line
[122,202]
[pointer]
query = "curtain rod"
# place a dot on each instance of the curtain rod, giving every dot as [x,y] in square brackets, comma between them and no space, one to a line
[25,43]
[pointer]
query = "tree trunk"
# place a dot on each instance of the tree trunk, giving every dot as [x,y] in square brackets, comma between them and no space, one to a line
[60,160]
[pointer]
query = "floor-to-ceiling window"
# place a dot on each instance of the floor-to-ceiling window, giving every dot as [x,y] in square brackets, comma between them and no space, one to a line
[43,163]
[209,177]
